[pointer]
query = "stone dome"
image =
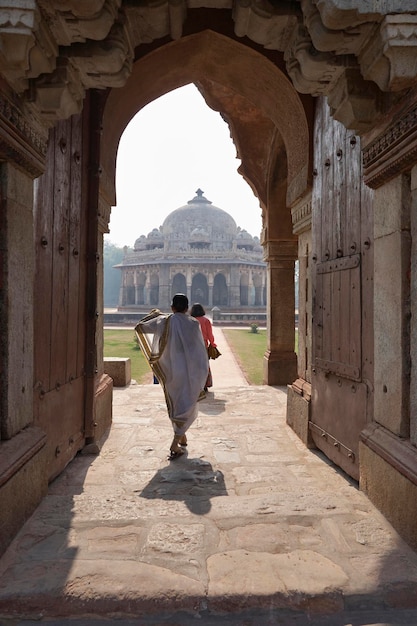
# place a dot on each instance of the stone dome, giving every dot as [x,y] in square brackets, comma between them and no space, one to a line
[196,214]
[244,240]
[140,243]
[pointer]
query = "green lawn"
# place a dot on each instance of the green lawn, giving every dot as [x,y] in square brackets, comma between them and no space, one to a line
[249,349]
[121,343]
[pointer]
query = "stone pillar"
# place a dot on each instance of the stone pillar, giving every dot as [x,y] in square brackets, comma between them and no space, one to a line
[164,288]
[280,360]
[391,302]
[189,282]
[234,287]
[210,291]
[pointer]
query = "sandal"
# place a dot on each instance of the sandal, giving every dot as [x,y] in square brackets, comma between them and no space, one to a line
[183,440]
[175,450]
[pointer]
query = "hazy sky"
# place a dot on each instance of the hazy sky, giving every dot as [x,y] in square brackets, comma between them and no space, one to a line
[172,147]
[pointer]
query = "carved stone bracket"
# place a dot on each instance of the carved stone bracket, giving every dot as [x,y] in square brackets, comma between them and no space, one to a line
[392,152]
[348,50]
[311,71]
[107,63]
[272,27]
[60,94]
[389,58]
[74,21]
[355,102]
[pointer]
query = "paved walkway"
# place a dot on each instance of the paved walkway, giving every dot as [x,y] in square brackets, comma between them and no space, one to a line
[249,528]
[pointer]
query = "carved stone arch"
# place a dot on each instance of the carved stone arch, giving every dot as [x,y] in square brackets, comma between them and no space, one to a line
[199,289]
[220,290]
[248,74]
[179,284]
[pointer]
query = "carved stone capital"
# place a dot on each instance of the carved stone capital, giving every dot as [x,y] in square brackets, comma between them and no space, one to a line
[301,215]
[280,251]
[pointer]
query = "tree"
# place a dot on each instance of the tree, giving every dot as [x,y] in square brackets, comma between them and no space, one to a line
[112,255]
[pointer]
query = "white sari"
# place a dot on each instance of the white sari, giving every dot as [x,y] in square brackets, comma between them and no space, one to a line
[175,349]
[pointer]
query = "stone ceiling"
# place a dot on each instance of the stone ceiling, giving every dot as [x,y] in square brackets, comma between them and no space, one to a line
[52,52]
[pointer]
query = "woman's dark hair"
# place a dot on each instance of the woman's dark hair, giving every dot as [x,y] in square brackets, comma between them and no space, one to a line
[180,302]
[197,310]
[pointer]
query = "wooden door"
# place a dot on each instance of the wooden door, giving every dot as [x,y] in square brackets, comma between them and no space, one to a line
[342,377]
[60,295]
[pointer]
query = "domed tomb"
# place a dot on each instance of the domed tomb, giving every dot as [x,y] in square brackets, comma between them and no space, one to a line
[200,251]
[186,221]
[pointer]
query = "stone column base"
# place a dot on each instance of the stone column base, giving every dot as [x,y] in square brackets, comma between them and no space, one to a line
[103,413]
[388,476]
[23,480]
[280,368]
[298,410]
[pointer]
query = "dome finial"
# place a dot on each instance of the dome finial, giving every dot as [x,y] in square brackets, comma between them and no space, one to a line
[199,198]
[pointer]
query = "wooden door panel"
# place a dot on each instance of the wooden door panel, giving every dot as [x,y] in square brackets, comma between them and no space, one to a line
[342,312]
[340,411]
[60,328]
[76,266]
[60,299]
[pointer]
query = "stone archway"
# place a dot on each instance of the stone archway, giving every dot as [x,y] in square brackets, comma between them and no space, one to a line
[199,57]
[220,291]
[265,129]
[179,284]
[199,289]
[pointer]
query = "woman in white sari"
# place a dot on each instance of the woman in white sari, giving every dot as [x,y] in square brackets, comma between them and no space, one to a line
[175,349]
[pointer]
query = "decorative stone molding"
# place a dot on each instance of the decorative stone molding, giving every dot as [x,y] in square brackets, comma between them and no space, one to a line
[281,250]
[20,141]
[301,215]
[392,152]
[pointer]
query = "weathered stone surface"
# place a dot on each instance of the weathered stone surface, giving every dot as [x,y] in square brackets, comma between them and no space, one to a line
[269,525]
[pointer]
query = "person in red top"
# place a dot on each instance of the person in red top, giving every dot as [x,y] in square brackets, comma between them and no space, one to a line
[199,313]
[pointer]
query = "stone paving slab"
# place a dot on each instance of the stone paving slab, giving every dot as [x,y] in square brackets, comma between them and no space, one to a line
[249,527]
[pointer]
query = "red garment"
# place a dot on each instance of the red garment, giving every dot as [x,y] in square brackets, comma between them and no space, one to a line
[206,330]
